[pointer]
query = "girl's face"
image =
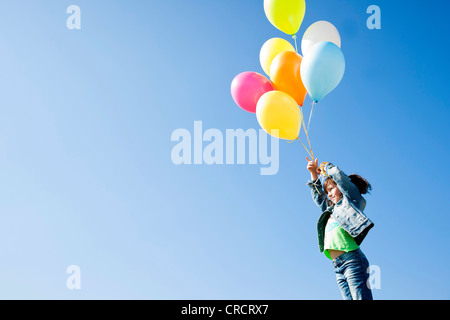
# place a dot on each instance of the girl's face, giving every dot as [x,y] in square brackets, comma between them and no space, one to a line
[334,193]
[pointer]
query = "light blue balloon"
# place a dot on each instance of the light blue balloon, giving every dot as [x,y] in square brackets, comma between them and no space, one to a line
[322,69]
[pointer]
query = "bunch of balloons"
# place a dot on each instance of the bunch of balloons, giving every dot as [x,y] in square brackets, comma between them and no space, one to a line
[277,102]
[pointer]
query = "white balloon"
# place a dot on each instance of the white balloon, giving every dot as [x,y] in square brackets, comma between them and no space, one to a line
[320,31]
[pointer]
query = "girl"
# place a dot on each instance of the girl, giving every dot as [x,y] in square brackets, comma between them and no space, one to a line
[343,226]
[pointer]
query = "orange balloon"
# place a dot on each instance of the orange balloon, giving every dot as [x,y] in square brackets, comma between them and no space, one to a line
[285,75]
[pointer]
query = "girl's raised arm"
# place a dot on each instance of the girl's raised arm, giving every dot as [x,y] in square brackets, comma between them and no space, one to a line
[319,196]
[343,181]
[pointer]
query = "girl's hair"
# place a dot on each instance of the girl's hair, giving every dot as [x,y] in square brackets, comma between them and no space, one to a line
[362,184]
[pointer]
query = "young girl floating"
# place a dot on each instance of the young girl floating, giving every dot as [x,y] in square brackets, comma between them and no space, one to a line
[342,226]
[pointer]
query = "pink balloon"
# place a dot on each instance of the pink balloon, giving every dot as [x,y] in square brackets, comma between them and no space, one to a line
[247,87]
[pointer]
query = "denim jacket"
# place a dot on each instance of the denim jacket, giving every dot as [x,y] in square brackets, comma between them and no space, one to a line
[348,212]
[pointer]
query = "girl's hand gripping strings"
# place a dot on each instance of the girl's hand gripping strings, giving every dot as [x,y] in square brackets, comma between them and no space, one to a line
[313,169]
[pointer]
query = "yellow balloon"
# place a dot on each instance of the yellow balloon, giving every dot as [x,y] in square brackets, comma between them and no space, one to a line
[278,110]
[286,15]
[270,49]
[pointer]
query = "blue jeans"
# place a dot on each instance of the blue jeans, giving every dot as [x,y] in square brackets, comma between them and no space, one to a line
[351,270]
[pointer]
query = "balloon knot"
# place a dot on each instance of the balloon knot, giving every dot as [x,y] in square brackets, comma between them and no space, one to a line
[294,36]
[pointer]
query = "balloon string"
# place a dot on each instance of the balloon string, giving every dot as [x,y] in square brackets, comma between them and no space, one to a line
[310,114]
[307,136]
[302,145]
[309,153]
[295,41]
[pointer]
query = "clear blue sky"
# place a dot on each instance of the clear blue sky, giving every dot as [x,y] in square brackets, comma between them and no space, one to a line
[85,152]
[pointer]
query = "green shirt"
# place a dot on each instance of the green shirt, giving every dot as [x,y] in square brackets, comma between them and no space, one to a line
[336,238]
